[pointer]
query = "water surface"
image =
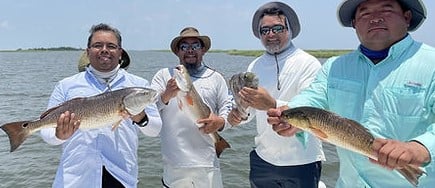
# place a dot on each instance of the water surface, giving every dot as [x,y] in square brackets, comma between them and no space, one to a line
[27,80]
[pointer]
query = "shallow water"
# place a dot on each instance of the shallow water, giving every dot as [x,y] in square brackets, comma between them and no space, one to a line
[27,80]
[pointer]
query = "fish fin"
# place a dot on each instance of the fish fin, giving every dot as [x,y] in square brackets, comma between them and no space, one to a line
[189,100]
[220,144]
[17,133]
[180,104]
[319,133]
[54,108]
[411,173]
[116,125]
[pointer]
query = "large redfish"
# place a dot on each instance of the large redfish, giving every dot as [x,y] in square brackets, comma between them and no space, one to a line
[93,112]
[342,132]
[191,103]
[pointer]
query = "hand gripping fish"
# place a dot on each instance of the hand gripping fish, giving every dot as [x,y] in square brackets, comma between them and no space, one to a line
[191,103]
[237,82]
[93,112]
[342,132]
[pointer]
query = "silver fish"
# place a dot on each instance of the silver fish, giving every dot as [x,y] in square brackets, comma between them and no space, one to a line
[93,112]
[342,132]
[237,82]
[191,103]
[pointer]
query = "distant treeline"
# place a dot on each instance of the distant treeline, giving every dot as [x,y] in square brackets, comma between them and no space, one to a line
[51,49]
[254,53]
[315,53]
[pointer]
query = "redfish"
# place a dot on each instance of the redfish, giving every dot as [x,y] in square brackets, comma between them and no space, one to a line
[191,103]
[93,112]
[342,132]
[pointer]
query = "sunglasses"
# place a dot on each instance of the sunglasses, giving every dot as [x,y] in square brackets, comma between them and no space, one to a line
[194,46]
[275,29]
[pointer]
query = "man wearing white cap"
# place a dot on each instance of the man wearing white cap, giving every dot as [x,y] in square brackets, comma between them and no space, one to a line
[387,85]
[283,71]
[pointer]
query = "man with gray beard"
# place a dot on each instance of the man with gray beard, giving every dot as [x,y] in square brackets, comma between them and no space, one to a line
[283,71]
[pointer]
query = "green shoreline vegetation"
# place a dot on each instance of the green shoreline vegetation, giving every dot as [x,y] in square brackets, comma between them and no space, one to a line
[315,53]
[255,53]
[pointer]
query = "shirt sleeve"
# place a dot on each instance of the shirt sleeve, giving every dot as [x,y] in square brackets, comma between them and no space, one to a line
[49,134]
[222,100]
[159,84]
[427,139]
[154,121]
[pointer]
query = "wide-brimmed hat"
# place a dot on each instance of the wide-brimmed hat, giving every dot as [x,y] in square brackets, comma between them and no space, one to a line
[189,32]
[84,61]
[288,12]
[346,12]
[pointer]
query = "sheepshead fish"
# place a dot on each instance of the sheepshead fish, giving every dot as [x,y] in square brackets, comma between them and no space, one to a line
[342,132]
[191,103]
[94,112]
[237,82]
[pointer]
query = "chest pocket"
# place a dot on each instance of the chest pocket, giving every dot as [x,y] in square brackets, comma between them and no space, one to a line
[403,109]
[344,97]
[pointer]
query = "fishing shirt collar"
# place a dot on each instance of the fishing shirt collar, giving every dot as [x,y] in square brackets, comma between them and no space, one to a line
[394,50]
[196,72]
[290,49]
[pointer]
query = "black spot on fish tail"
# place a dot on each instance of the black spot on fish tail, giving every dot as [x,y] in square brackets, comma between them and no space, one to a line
[17,133]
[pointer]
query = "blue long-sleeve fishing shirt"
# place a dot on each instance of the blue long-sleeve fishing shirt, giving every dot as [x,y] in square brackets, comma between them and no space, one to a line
[394,99]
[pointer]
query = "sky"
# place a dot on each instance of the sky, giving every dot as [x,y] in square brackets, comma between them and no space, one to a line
[152,24]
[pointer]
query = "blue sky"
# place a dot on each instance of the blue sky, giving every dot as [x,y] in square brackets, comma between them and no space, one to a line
[151,24]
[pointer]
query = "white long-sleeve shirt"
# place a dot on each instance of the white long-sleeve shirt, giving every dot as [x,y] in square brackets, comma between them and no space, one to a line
[87,151]
[297,70]
[182,144]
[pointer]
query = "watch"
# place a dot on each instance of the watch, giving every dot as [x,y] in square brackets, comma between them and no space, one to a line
[143,122]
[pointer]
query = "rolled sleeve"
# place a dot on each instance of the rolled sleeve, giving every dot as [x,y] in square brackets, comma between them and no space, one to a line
[154,121]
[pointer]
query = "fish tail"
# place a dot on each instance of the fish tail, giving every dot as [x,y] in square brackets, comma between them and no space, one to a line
[17,133]
[220,145]
[411,173]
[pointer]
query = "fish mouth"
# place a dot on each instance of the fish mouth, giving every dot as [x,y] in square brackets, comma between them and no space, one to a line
[178,67]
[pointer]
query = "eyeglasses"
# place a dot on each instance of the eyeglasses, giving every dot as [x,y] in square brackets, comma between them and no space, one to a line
[109,46]
[194,46]
[275,29]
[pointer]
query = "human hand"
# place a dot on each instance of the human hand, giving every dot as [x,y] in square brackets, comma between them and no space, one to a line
[66,125]
[279,126]
[257,98]
[170,91]
[394,154]
[234,117]
[211,124]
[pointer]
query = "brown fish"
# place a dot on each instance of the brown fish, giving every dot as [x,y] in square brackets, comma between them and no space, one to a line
[93,112]
[237,82]
[194,107]
[342,132]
